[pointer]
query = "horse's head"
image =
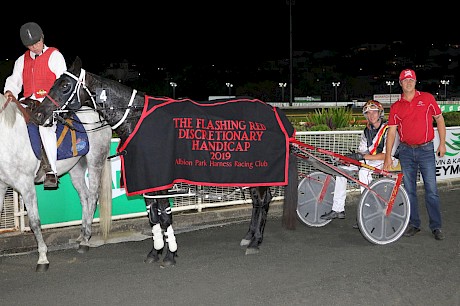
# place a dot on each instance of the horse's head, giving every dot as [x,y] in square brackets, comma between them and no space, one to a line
[68,93]
[76,88]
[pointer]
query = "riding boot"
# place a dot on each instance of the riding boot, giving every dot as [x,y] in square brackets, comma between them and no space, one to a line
[51,180]
[45,165]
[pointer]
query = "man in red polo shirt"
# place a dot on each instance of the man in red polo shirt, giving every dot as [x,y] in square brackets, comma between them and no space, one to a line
[412,118]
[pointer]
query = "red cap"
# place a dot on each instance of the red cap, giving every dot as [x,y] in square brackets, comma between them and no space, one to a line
[407,74]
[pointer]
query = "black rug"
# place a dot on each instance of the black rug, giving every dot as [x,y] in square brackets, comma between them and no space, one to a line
[239,142]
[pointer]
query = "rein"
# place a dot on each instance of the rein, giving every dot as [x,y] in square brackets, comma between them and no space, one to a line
[6,104]
[81,83]
[23,110]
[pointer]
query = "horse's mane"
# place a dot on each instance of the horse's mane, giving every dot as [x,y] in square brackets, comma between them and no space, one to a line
[8,112]
[109,83]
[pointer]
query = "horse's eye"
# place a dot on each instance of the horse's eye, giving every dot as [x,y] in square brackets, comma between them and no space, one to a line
[66,87]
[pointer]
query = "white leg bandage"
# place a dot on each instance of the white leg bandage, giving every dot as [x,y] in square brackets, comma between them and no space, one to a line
[171,239]
[158,242]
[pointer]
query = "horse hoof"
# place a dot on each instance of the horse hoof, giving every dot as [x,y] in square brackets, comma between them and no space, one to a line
[168,263]
[82,249]
[150,260]
[42,267]
[252,251]
[244,242]
[169,259]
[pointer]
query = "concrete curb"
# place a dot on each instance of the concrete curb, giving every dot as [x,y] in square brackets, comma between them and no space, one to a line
[138,228]
[128,229]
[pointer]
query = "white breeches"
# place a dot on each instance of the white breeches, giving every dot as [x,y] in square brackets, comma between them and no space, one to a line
[48,136]
[364,176]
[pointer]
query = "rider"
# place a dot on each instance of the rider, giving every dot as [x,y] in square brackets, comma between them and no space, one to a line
[371,150]
[36,70]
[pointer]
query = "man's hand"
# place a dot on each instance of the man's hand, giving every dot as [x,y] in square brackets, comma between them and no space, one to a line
[355,155]
[8,95]
[441,151]
[387,163]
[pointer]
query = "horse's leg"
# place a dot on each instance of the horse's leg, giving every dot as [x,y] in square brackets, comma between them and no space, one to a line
[151,206]
[171,243]
[252,225]
[261,198]
[100,188]
[100,178]
[3,189]
[29,197]
[77,175]
[160,218]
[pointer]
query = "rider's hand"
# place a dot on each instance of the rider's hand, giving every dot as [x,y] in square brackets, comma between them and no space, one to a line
[8,95]
[355,155]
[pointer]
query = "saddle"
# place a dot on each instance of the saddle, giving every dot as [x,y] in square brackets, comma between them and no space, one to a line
[72,141]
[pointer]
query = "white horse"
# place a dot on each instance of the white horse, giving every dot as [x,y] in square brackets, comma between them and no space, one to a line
[19,166]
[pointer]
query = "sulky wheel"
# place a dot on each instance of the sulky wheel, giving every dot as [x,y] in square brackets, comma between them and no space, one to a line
[373,221]
[315,198]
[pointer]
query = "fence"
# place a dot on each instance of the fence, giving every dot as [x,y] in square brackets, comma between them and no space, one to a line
[14,216]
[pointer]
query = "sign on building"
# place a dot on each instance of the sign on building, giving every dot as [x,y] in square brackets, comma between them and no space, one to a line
[387,98]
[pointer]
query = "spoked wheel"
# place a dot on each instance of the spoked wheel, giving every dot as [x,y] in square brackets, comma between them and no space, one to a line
[373,222]
[315,198]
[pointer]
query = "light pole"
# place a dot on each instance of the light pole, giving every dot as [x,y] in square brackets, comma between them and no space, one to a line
[390,83]
[283,86]
[229,85]
[336,84]
[173,85]
[290,3]
[445,83]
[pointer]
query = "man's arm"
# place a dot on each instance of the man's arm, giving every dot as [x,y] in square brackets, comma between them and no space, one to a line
[391,135]
[57,63]
[441,125]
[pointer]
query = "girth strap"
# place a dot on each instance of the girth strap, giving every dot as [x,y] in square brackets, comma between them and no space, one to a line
[73,135]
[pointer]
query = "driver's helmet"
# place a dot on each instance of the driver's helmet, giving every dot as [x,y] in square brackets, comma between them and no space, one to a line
[30,33]
[373,105]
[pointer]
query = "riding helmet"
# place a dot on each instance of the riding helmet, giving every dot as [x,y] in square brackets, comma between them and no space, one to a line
[30,33]
[373,105]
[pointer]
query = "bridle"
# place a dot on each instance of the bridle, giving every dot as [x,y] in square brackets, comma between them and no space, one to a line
[81,84]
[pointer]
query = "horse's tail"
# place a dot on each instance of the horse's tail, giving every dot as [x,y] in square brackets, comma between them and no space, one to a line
[291,195]
[105,200]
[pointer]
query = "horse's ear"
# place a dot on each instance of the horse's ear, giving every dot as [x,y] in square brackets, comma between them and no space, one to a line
[76,65]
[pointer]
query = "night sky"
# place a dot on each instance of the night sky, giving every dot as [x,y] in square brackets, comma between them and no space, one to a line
[161,32]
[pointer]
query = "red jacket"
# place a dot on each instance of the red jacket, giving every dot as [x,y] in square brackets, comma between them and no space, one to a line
[37,76]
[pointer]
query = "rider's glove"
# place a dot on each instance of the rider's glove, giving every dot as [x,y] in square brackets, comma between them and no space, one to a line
[355,155]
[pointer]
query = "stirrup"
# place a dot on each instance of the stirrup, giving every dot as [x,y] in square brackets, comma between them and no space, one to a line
[51,181]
